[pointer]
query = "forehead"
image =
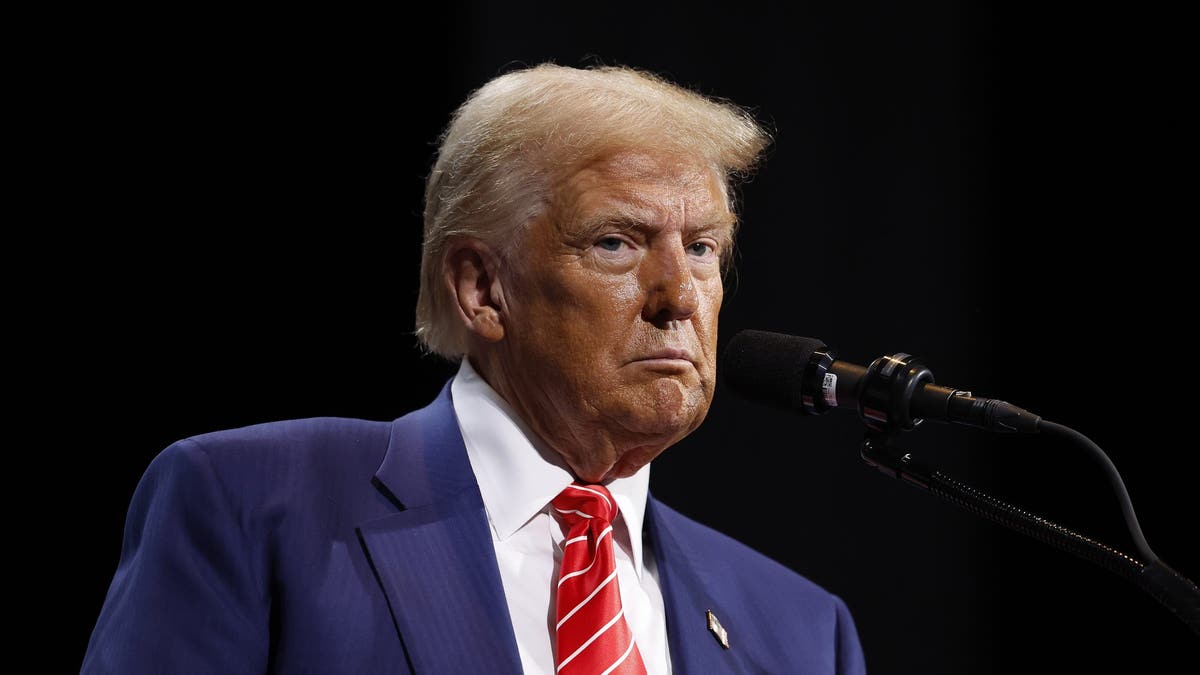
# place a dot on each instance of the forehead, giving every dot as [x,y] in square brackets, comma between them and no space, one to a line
[651,188]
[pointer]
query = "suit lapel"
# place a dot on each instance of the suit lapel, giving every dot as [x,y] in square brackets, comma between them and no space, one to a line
[690,588]
[436,564]
[434,559]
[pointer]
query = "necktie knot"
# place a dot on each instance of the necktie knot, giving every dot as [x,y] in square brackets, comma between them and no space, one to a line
[579,503]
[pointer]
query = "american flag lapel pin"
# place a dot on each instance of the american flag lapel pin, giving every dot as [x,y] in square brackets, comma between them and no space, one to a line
[718,631]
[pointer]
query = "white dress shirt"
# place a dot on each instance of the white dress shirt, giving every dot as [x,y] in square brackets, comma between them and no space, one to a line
[518,475]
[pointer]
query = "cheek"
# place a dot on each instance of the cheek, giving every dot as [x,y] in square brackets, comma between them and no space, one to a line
[600,315]
[707,317]
[571,332]
[712,308]
[605,300]
[713,292]
[622,292]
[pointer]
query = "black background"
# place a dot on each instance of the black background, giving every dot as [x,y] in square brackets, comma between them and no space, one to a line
[998,191]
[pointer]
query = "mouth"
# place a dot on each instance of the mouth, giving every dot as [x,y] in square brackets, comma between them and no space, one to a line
[666,359]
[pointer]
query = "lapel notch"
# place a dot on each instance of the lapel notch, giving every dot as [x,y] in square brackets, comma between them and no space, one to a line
[434,560]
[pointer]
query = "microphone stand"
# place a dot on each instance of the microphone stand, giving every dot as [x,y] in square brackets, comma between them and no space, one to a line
[1174,591]
[897,393]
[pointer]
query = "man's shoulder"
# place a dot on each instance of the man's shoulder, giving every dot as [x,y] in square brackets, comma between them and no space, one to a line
[312,455]
[737,563]
[295,439]
[292,430]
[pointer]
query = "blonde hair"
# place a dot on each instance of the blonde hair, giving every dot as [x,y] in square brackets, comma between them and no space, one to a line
[515,137]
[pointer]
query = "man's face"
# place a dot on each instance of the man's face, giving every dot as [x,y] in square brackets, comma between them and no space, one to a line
[612,301]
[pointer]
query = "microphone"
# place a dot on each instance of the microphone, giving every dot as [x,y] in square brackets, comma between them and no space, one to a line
[896,392]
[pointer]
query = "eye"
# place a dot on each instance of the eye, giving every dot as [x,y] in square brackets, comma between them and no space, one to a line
[700,248]
[610,243]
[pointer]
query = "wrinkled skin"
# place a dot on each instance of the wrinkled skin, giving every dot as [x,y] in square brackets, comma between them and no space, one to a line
[601,328]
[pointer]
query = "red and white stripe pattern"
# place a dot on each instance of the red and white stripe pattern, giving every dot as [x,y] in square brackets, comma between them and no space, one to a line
[593,637]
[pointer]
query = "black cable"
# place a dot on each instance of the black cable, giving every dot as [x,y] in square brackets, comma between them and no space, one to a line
[1114,480]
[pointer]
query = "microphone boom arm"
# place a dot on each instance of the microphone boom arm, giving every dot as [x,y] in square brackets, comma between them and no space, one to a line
[1174,591]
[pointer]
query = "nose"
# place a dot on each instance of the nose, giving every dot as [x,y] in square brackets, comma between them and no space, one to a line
[671,287]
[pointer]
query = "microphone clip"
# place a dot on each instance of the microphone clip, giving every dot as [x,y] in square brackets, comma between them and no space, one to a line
[886,392]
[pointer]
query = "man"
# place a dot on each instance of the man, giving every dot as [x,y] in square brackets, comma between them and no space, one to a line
[577,224]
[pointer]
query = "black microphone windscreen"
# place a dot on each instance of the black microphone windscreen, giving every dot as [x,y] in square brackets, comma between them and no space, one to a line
[767,367]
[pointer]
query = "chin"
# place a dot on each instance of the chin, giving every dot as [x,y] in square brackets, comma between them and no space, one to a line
[679,414]
[664,425]
[653,417]
[671,406]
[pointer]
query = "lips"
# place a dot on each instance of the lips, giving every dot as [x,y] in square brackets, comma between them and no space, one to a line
[668,354]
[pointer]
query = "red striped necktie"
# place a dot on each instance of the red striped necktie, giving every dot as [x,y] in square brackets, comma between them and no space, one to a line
[593,637]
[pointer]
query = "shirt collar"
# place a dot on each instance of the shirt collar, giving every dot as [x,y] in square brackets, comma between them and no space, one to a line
[518,474]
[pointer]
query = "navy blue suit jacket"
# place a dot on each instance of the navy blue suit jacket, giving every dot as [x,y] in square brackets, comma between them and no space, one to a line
[335,545]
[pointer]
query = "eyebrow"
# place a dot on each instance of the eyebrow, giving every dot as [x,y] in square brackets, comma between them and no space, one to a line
[637,219]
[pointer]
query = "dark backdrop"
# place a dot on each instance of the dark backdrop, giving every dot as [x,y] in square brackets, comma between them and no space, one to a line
[996,191]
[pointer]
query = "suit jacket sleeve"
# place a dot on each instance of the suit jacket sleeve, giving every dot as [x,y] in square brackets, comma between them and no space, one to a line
[849,652]
[185,597]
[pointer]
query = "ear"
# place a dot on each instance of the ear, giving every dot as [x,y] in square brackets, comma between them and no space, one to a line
[471,271]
